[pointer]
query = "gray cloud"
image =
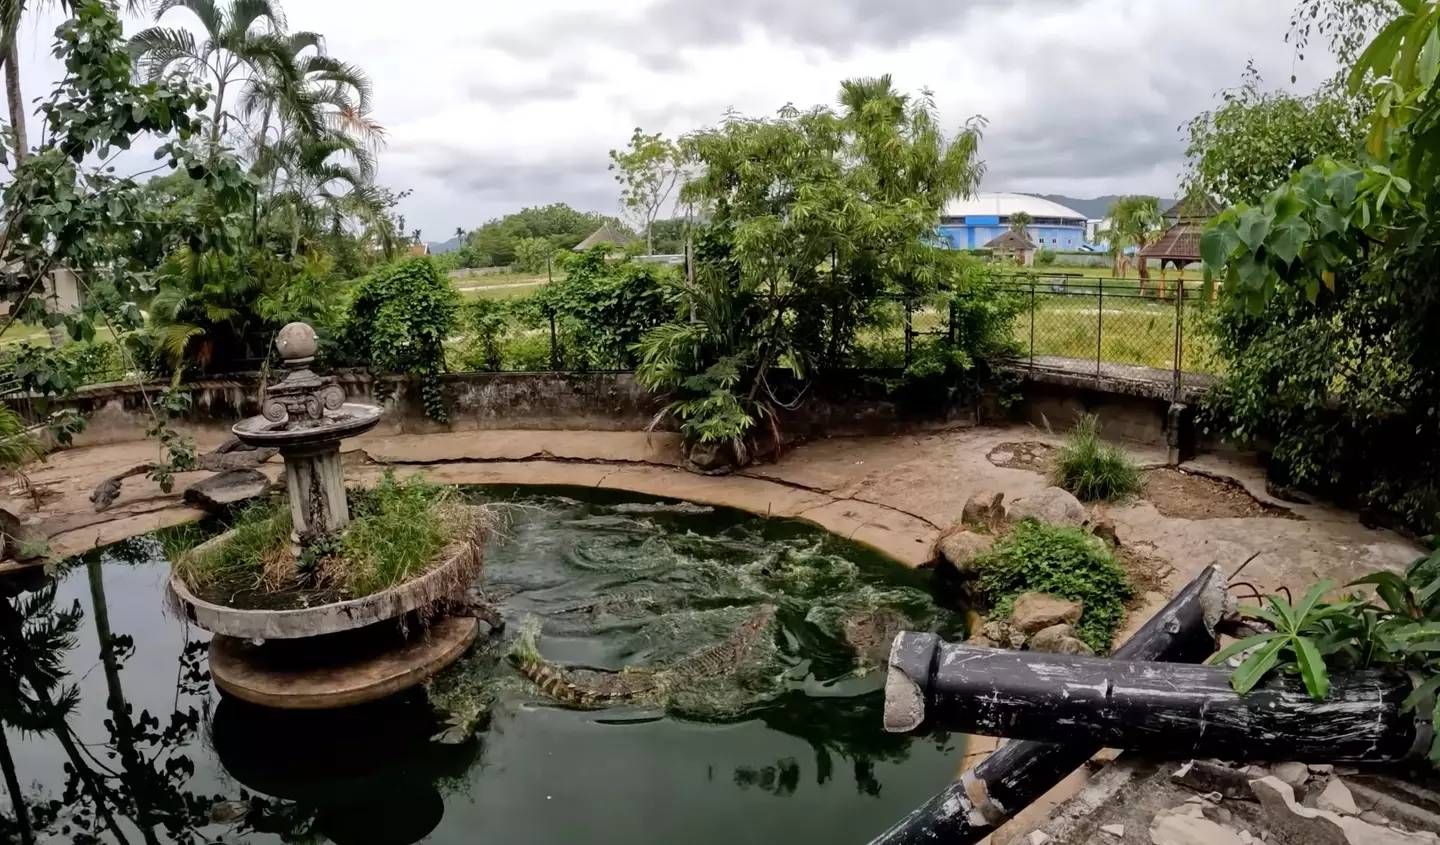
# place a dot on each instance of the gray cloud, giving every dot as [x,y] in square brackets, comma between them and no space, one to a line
[504,180]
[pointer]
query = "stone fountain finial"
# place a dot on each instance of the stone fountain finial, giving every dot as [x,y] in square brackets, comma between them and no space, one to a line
[301,398]
[306,416]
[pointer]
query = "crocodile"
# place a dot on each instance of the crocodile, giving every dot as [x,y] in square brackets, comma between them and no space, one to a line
[870,635]
[230,455]
[590,688]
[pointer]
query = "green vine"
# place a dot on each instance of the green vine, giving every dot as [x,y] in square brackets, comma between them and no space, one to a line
[399,322]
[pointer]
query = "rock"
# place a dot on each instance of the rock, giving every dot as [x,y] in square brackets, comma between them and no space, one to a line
[1320,768]
[1295,774]
[1059,639]
[225,812]
[711,458]
[1103,528]
[1037,837]
[1037,611]
[226,488]
[1374,818]
[1116,830]
[960,548]
[1052,505]
[984,509]
[1290,822]
[1336,798]
[1003,634]
[21,540]
[1171,829]
[982,641]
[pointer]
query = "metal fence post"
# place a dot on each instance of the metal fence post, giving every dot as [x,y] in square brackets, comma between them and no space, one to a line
[554,346]
[1179,334]
[909,329]
[1032,322]
[1099,322]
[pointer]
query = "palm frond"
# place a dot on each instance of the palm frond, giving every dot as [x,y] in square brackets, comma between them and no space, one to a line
[159,48]
[211,15]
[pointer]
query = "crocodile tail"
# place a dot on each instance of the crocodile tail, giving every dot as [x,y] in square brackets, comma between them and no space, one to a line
[551,679]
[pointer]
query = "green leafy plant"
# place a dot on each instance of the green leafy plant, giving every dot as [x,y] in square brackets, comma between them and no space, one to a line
[399,321]
[1093,469]
[1315,638]
[1061,561]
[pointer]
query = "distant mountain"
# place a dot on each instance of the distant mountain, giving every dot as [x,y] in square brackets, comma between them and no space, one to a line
[444,247]
[1094,209]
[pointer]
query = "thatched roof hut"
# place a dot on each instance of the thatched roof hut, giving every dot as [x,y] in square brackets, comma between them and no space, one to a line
[606,234]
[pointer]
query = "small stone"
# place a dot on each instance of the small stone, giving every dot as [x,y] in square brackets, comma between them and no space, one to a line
[1060,639]
[1372,817]
[1036,611]
[961,548]
[1246,837]
[225,812]
[1168,829]
[1219,815]
[1336,798]
[1003,634]
[1105,530]
[1051,505]
[982,641]
[1038,837]
[1320,768]
[984,509]
[1295,774]
[1116,830]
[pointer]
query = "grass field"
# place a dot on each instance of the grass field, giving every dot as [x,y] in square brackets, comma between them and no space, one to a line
[1131,332]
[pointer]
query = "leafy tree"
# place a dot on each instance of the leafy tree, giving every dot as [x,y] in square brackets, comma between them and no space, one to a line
[603,308]
[812,215]
[1344,25]
[648,171]
[398,323]
[559,224]
[531,254]
[1251,144]
[1327,324]
[668,236]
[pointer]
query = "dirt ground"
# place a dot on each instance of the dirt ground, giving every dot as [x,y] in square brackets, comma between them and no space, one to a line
[1185,495]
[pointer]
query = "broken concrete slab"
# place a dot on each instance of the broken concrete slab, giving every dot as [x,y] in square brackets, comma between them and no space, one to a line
[227,488]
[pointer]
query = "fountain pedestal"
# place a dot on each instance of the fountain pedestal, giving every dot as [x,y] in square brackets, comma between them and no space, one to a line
[343,652]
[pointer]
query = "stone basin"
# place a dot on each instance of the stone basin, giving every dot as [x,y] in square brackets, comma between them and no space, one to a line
[332,618]
[349,420]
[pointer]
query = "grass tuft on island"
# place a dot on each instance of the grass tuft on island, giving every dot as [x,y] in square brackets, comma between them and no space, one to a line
[398,531]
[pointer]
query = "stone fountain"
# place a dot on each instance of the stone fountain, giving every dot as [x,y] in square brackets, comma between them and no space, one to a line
[343,652]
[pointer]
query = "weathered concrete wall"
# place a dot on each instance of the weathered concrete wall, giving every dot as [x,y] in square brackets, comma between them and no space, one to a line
[480,401]
[848,405]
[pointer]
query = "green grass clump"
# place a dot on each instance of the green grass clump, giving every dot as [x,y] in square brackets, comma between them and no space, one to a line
[396,529]
[1093,469]
[261,532]
[1065,562]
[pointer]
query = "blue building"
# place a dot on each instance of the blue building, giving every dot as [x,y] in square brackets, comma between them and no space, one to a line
[972,223]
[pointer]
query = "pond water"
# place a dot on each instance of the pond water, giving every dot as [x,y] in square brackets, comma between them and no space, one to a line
[133,743]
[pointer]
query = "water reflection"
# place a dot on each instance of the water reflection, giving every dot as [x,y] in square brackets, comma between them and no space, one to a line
[110,729]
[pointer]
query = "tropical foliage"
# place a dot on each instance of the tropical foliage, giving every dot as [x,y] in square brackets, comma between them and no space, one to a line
[1135,222]
[812,215]
[399,322]
[1330,298]
[649,172]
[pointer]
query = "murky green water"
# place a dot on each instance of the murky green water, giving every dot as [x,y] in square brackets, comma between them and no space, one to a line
[786,749]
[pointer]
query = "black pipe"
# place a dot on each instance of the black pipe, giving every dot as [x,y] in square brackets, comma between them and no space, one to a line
[1019,772]
[1171,710]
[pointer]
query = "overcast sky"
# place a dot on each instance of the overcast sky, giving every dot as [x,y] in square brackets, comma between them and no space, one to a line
[495,105]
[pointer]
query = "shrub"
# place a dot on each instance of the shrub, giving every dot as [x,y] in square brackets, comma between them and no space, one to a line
[1045,257]
[398,323]
[1093,469]
[1065,562]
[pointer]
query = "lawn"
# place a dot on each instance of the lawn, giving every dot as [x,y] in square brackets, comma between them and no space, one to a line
[1131,332]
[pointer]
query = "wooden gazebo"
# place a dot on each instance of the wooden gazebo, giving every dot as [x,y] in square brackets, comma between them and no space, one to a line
[1013,245]
[1180,243]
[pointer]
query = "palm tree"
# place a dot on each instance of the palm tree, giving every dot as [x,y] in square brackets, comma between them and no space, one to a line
[316,179]
[1134,222]
[1020,223]
[241,42]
